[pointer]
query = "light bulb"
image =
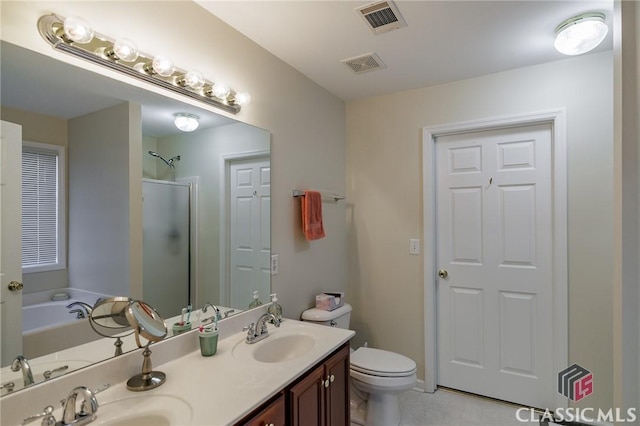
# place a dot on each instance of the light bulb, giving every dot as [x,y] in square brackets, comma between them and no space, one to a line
[581,34]
[243,98]
[221,90]
[125,50]
[78,30]
[162,65]
[194,79]
[186,122]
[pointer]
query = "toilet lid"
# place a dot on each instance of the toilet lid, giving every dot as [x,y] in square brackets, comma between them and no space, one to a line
[378,362]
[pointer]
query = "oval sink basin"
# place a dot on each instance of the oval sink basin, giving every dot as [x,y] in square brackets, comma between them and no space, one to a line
[283,348]
[280,346]
[145,410]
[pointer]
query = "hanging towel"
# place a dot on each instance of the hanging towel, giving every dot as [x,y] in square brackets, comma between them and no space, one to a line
[311,207]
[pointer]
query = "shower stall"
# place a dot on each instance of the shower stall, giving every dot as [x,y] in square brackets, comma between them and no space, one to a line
[167,245]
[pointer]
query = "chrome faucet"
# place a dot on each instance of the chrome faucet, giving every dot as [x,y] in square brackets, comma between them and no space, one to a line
[208,305]
[88,408]
[21,363]
[259,331]
[83,312]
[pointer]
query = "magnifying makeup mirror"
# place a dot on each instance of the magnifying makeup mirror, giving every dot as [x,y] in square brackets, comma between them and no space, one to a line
[108,319]
[146,322]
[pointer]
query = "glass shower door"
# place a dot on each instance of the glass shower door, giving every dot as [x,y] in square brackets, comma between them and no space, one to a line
[166,247]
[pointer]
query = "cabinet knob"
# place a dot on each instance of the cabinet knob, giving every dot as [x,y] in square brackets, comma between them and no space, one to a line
[326,383]
[332,378]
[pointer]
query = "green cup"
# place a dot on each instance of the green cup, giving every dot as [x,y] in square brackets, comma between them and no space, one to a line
[208,342]
[181,328]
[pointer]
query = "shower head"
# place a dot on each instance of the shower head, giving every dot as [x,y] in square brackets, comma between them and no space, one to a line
[167,162]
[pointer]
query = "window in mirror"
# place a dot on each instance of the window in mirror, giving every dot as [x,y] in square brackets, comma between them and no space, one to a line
[43,243]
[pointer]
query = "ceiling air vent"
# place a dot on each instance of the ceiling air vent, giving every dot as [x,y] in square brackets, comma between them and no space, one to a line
[364,63]
[382,17]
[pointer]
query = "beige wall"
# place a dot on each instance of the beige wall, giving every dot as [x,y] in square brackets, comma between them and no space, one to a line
[306,122]
[384,177]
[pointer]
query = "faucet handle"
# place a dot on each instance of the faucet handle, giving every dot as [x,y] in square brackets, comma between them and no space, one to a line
[47,417]
[251,331]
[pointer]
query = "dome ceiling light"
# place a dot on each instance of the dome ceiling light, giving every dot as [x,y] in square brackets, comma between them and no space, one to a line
[581,33]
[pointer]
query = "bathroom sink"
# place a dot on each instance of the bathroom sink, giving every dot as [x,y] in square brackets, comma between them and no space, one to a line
[280,346]
[145,410]
[283,348]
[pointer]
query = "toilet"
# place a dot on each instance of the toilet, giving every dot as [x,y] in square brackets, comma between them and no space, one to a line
[378,377]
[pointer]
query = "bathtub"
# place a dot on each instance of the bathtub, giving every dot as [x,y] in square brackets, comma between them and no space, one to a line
[47,326]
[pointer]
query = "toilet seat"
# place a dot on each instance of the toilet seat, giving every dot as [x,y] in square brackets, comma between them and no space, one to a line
[381,363]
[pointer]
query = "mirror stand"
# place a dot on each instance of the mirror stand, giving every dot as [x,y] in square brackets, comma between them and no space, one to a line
[148,379]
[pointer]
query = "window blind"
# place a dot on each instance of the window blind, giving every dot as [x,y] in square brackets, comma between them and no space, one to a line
[39,208]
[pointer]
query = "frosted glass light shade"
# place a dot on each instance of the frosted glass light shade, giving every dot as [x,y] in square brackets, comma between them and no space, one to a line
[243,98]
[186,122]
[194,79]
[162,65]
[221,90]
[581,34]
[78,30]
[125,50]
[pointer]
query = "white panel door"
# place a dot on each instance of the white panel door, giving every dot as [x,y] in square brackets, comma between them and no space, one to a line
[494,240]
[250,241]
[11,237]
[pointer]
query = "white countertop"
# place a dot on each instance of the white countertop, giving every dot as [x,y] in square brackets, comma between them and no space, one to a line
[219,390]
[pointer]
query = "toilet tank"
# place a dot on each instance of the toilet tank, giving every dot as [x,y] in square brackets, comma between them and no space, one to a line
[339,317]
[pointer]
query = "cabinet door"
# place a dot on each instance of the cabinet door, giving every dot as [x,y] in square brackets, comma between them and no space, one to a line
[337,393]
[272,415]
[307,400]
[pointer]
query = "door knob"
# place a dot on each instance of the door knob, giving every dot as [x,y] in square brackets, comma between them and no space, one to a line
[442,273]
[15,286]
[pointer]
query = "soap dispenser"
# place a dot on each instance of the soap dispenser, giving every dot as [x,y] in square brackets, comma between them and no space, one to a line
[256,301]
[275,307]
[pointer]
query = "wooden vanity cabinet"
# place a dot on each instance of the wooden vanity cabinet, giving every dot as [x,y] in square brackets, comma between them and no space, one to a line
[274,414]
[321,397]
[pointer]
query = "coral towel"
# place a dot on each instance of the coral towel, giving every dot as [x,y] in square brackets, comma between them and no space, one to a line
[311,207]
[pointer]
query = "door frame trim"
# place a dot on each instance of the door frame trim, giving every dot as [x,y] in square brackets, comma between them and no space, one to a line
[557,119]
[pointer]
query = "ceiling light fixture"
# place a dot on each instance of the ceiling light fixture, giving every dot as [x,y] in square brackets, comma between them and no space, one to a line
[581,33]
[75,36]
[186,122]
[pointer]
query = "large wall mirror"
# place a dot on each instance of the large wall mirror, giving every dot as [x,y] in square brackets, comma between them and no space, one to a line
[199,201]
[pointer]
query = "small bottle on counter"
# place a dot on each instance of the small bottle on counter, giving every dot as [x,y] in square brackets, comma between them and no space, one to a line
[275,308]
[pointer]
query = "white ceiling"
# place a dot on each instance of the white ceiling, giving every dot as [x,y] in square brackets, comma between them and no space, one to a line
[444,40]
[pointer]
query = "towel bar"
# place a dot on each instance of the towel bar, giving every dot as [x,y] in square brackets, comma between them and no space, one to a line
[325,194]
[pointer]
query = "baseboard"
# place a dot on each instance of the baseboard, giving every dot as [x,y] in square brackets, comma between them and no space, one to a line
[420,386]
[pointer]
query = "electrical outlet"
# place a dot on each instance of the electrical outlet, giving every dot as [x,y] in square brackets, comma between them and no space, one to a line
[274,264]
[414,246]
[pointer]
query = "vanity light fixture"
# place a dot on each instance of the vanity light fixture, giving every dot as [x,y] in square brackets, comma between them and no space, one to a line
[580,34]
[75,36]
[186,122]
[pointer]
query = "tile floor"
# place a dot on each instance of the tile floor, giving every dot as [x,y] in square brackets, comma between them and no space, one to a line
[450,408]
